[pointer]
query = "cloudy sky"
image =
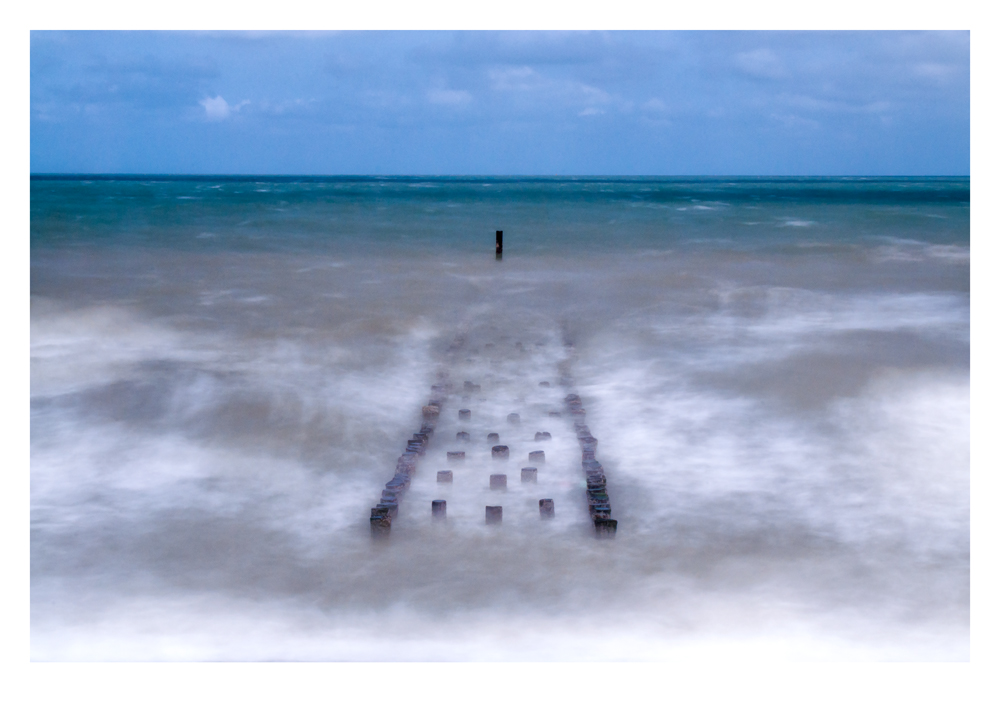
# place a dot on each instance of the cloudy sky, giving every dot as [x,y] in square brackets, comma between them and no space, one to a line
[500,102]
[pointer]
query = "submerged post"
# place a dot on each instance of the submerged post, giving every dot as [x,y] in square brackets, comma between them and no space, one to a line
[499,244]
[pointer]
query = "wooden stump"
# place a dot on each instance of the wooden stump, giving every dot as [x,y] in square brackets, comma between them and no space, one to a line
[455,456]
[536,456]
[502,452]
[381,524]
[493,438]
[529,474]
[494,515]
[439,509]
[606,528]
[464,414]
[498,482]
[543,436]
[445,476]
[546,508]
[513,419]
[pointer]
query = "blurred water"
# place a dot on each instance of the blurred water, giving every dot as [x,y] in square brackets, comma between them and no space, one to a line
[224,372]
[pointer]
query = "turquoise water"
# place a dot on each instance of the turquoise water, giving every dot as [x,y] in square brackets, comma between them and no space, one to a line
[459,214]
[224,370]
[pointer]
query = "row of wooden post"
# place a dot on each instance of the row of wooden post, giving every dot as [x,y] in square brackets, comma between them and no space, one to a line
[388,506]
[598,501]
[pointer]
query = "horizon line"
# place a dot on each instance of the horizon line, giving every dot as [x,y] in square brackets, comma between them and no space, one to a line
[242,175]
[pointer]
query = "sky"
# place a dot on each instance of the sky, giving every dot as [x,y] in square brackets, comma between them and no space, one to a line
[501,103]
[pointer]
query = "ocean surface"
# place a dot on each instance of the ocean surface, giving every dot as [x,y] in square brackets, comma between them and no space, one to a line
[224,371]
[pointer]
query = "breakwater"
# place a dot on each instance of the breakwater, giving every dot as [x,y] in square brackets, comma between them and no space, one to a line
[530,425]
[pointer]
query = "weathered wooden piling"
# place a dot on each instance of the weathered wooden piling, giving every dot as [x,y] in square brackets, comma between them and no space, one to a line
[463,436]
[499,244]
[536,456]
[492,437]
[494,515]
[543,436]
[439,509]
[501,452]
[546,508]
[445,476]
[513,419]
[391,495]
[456,456]
[388,505]
[498,482]
[598,501]
[529,474]
[464,414]
[606,528]
[380,524]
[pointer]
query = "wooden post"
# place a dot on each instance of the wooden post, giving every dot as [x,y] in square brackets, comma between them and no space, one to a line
[502,452]
[499,244]
[546,508]
[606,528]
[445,475]
[494,515]
[529,474]
[381,522]
[536,456]
[498,482]
[439,509]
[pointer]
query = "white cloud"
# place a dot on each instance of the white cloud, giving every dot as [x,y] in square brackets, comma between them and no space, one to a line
[794,121]
[936,72]
[218,109]
[836,106]
[576,95]
[215,108]
[763,63]
[444,96]
[282,107]
[522,78]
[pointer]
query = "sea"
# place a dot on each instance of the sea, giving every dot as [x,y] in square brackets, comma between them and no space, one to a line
[226,370]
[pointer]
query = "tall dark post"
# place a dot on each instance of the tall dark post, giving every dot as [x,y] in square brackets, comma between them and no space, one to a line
[499,244]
